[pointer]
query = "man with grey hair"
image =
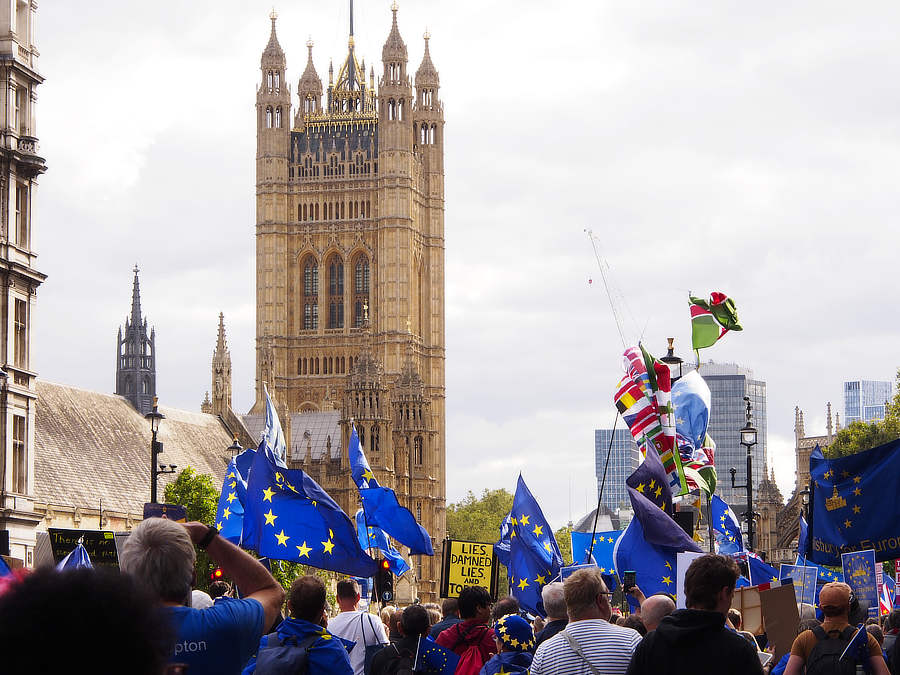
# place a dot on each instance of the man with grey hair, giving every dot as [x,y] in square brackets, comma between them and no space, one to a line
[159,555]
[589,643]
[654,609]
[554,600]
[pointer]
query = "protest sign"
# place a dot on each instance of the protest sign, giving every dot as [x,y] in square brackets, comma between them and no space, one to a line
[682,562]
[860,574]
[100,545]
[468,563]
[804,579]
[174,512]
[780,617]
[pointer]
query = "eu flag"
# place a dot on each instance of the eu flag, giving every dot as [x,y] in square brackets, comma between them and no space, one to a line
[726,526]
[823,574]
[273,436]
[381,505]
[4,569]
[848,504]
[760,571]
[652,538]
[287,516]
[534,556]
[602,552]
[501,548]
[432,658]
[230,511]
[78,558]
[374,537]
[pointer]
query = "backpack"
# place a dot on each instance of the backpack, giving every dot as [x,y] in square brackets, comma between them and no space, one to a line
[470,661]
[285,658]
[824,659]
[402,664]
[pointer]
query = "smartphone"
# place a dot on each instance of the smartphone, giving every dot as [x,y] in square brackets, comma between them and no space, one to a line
[629,581]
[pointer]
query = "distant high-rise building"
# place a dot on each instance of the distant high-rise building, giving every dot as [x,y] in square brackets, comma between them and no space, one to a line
[624,458]
[729,384]
[865,400]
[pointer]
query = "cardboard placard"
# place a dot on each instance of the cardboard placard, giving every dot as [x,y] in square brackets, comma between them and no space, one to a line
[861,575]
[780,618]
[682,562]
[747,601]
[468,563]
[99,544]
[174,512]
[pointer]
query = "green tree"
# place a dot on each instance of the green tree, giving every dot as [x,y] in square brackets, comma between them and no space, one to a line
[198,493]
[478,519]
[564,541]
[861,436]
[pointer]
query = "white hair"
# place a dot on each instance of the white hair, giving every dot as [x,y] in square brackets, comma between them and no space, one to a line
[160,556]
[553,595]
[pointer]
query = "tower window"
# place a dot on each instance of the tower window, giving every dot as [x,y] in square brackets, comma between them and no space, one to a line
[269,80]
[277,81]
[21,336]
[22,215]
[268,117]
[278,117]
[418,451]
[19,458]
[360,289]
[336,293]
[375,444]
[310,294]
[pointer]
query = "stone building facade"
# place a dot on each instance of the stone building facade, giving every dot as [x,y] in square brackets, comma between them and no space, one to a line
[350,274]
[20,166]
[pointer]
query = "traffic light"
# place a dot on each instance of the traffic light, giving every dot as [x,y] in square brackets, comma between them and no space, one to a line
[384,582]
[216,574]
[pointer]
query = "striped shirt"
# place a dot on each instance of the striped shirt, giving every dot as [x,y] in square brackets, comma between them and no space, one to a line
[609,648]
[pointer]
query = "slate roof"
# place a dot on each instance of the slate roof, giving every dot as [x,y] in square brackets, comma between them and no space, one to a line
[310,432]
[91,446]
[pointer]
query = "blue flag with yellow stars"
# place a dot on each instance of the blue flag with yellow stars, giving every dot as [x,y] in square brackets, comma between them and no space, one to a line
[230,511]
[534,556]
[377,539]
[726,526]
[287,516]
[848,504]
[272,441]
[824,574]
[432,658]
[602,552]
[381,505]
[78,558]
[760,571]
[652,538]
[501,548]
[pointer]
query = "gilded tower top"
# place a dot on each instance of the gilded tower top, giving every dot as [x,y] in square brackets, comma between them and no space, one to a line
[427,74]
[394,48]
[273,54]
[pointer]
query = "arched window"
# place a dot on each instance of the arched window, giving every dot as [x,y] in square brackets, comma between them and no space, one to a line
[375,444]
[278,117]
[317,365]
[360,289]
[269,80]
[268,117]
[431,136]
[277,80]
[300,366]
[310,293]
[335,292]
[418,451]
[362,437]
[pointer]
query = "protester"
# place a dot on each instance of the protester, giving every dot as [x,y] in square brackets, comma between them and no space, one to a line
[400,655]
[554,599]
[621,619]
[385,615]
[891,629]
[355,625]
[434,616]
[538,624]
[805,624]
[875,631]
[504,606]
[393,627]
[200,599]
[219,589]
[818,649]
[695,641]
[302,637]
[589,643]
[654,609]
[735,619]
[634,622]
[472,638]
[159,555]
[83,620]
[514,639]
[450,613]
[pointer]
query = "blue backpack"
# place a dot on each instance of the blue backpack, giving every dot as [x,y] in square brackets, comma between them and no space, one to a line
[288,657]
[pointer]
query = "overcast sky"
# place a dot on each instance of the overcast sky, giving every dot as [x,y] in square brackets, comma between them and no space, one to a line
[748,148]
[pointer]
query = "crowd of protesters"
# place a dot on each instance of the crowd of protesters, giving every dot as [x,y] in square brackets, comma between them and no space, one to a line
[149,619]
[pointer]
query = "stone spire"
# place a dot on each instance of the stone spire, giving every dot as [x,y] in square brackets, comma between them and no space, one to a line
[273,54]
[310,82]
[837,422]
[427,74]
[798,423]
[136,355]
[221,373]
[394,48]
[136,299]
[828,421]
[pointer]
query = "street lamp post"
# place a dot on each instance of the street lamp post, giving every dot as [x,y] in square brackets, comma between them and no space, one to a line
[156,447]
[235,448]
[748,440]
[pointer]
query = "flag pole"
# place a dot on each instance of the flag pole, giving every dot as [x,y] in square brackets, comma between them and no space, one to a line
[590,551]
[709,518]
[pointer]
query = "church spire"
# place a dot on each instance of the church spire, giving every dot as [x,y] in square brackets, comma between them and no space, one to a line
[221,373]
[136,299]
[136,355]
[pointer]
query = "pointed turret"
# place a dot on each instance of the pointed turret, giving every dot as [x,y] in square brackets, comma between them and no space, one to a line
[221,372]
[136,355]
[273,115]
[828,426]
[273,54]
[136,299]
[309,89]
[427,74]
[394,50]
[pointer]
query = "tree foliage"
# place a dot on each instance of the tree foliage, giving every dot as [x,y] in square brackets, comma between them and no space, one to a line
[564,541]
[861,436]
[478,518]
[197,492]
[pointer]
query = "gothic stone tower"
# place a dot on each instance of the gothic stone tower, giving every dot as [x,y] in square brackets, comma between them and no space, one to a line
[20,166]
[136,356]
[350,263]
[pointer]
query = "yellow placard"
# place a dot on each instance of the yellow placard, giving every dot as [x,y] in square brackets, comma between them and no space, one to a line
[468,563]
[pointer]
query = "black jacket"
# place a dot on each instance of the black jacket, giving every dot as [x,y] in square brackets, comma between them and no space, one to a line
[443,624]
[694,642]
[549,631]
[382,660]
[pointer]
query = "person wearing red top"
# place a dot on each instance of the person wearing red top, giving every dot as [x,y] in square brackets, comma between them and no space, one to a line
[475,612]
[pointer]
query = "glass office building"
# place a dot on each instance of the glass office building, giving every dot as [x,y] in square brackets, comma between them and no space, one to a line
[729,384]
[865,400]
[624,458]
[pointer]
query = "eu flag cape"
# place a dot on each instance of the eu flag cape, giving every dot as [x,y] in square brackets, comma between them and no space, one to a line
[382,507]
[852,504]
[287,516]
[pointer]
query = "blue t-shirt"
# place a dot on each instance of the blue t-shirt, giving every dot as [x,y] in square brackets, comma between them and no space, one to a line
[218,640]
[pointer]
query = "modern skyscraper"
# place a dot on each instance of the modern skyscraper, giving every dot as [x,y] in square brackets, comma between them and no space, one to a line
[728,385]
[624,458]
[865,400]
[19,279]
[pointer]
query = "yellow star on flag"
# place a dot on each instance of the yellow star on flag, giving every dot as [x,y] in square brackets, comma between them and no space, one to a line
[367,474]
[231,475]
[524,519]
[540,579]
[267,495]
[282,538]
[610,540]
[856,479]
[652,483]
[270,518]
[658,491]
[523,583]
[219,525]
[278,477]
[231,497]
[328,546]
[857,492]
[232,484]
[848,523]
[856,509]
[513,642]
[304,550]
[548,547]
[512,521]
[226,513]
[668,565]
[667,581]
[538,530]
[640,488]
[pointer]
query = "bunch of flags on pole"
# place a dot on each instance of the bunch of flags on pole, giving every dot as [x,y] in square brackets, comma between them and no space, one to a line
[283,514]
